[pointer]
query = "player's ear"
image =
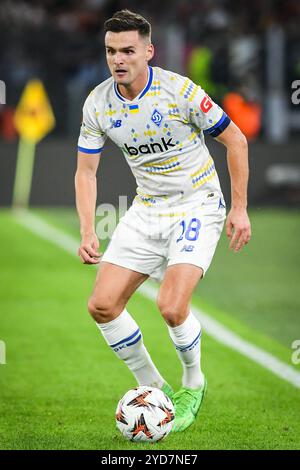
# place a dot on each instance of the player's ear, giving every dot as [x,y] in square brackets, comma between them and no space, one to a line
[150,52]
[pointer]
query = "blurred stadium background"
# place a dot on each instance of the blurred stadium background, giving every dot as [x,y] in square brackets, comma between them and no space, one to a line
[59,384]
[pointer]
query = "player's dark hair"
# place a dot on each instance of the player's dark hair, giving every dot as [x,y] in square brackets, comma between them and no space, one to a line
[126,20]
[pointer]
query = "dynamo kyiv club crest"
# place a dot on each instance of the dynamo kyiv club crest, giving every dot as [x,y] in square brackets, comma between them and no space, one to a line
[156,117]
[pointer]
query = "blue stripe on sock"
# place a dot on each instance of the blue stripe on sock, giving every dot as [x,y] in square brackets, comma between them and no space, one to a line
[125,339]
[135,341]
[193,343]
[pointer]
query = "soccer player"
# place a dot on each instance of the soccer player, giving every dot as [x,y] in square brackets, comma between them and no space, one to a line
[158,119]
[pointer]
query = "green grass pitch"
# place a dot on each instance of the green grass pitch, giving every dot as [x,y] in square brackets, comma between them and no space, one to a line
[61,383]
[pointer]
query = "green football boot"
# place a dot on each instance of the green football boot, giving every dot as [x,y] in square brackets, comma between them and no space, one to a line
[187,404]
[168,390]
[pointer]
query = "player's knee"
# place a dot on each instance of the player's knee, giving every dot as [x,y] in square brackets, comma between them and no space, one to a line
[174,314]
[102,310]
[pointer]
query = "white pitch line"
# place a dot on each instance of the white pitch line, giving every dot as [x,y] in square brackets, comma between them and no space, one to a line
[212,327]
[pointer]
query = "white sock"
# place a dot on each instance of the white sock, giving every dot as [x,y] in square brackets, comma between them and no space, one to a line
[124,337]
[187,340]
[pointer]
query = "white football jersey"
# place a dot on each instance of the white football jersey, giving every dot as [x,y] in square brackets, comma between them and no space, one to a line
[161,134]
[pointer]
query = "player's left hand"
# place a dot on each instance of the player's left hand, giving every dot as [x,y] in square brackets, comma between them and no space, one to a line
[238,229]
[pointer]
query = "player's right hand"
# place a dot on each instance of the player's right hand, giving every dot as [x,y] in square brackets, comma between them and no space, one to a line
[88,250]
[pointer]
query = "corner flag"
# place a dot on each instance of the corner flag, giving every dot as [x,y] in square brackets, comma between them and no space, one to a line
[33,119]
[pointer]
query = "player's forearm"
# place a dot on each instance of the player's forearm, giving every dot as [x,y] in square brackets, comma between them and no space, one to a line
[237,161]
[86,195]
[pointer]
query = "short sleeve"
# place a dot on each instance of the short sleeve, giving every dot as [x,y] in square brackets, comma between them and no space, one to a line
[91,138]
[201,110]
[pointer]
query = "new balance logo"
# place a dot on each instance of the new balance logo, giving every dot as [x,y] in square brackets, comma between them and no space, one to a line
[221,204]
[187,248]
[150,148]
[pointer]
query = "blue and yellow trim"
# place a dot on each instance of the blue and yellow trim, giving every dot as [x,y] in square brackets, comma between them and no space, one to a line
[167,166]
[144,91]
[204,174]
[82,149]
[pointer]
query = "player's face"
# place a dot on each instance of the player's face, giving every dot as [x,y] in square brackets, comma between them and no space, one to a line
[127,55]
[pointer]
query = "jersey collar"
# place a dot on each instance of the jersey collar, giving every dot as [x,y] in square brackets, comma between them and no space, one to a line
[143,92]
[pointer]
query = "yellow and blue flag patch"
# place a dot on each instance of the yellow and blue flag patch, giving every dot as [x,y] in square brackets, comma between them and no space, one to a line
[133,108]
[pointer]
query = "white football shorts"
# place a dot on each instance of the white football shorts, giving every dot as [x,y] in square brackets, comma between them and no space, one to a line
[148,239]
